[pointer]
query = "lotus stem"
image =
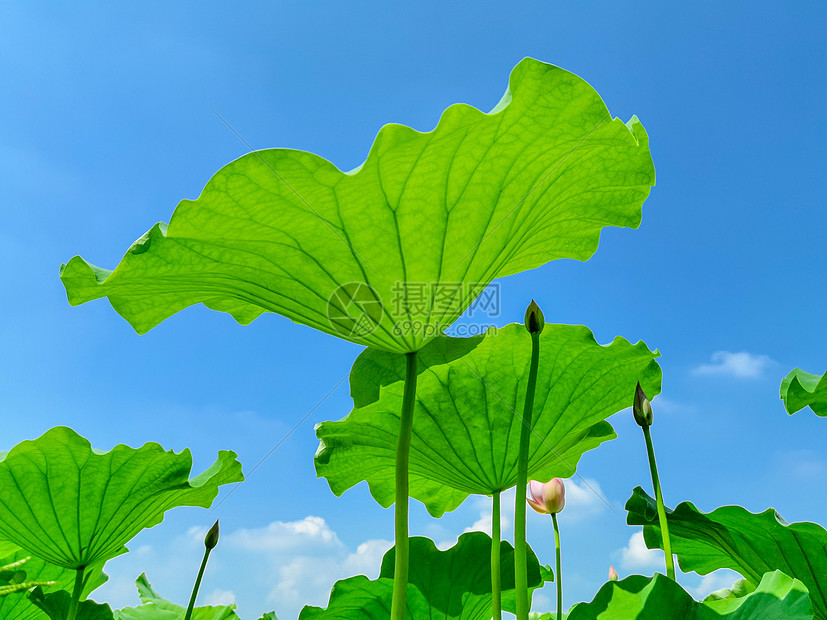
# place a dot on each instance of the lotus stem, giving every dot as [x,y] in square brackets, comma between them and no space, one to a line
[496,596]
[403,449]
[210,541]
[520,575]
[72,613]
[664,526]
[559,576]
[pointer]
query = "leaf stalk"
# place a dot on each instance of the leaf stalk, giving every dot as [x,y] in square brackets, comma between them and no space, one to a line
[559,576]
[520,572]
[403,449]
[197,585]
[77,590]
[496,594]
[664,526]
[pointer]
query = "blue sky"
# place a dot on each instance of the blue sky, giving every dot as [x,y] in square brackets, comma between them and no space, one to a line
[106,124]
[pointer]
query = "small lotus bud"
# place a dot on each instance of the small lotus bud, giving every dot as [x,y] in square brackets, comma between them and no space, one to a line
[211,539]
[534,320]
[642,409]
[548,498]
[612,573]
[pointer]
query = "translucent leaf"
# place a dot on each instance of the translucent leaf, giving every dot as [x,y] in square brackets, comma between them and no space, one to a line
[801,389]
[732,537]
[392,253]
[155,607]
[16,605]
[75,507]
[451,585]
[470,395]
[56,606]
[658,597]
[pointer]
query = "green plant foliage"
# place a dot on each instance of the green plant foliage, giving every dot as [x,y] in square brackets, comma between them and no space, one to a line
[56,606]
[480,197]
[16,605]
[658,597]
[155,607]
[76,507]
[732,537]
[466,429]
[801,389]
[450,585]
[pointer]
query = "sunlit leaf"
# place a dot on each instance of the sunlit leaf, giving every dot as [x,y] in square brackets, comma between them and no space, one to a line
[16,605]
[74,506]
[392,253]
[450,585]
[56,606]
[470,394]
[732,537]
[801,389]
[659,598]
[155,607]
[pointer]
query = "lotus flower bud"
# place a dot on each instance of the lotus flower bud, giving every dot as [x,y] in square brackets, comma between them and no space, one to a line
[534,320]
[211,539]
[612,573]
[642,409]
[548,498]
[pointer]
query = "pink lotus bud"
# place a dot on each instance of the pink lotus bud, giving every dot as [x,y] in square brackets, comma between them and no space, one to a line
[547,498]
[612,573]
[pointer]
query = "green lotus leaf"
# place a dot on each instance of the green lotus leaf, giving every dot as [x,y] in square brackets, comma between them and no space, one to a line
[469,403]
[450,585]
[56,606]
[658,597]
[75,507]
[801,389]
[155,607]
[21,568]
[390,254]
[732,537]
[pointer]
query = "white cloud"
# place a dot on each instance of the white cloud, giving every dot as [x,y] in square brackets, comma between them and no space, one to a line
[637,556]
[741,365]
[486,519]
[219,598]
[584,499]
[283,566]
[311,533]
[669,406]
[716,580]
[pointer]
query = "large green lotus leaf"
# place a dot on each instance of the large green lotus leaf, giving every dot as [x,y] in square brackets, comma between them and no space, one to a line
[732,537]
[19,566]
[658,597]
[392,253]
[74,506]
[448,585]
[801,389]
[155,607]
[469,402]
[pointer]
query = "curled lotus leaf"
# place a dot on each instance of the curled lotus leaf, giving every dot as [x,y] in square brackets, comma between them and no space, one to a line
[390,254]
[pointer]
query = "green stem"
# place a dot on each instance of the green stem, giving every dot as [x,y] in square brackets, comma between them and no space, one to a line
[197,583]
[559,576]
[76,592]
[403,449]
[664,526]
[520,575]
[496,596]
